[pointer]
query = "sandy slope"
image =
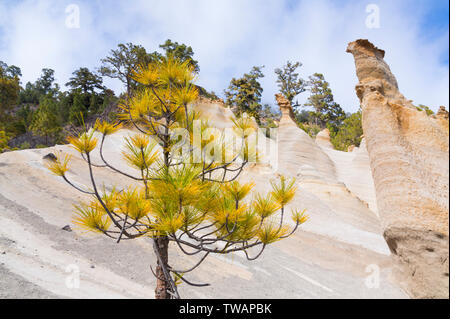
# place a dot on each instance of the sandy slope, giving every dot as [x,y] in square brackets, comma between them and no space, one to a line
[331,257]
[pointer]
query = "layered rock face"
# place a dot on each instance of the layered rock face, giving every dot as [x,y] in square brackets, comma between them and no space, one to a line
[409,153]
[323,138]
[298,153]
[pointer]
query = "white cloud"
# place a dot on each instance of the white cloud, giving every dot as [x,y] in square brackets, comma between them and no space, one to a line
[229,37]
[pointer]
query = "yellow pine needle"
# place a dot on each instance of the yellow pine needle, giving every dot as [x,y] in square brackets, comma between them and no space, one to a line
[229,215]
[270,233]
[180,184]
[59,167]
[170,224]
[85,143]
[265,206]
[140,140]
[185,95]
[174,72]
[91,219]
[247,226]
[133,203]
[106,128]
[192,216]
[141,104]
[146,74]
[238,191]
[177,279]
[140,157]
[244,126]
[283,192]
[299,217]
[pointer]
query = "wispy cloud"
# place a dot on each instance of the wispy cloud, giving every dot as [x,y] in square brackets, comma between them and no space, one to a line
[229,37]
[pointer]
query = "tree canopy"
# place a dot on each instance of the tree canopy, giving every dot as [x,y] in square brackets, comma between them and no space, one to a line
[122,61]
[326,110]
[9,87]
[180,52]
[86,81]
[289,81]
[349,133]
[245,93]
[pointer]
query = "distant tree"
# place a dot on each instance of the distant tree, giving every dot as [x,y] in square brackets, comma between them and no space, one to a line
[9,71]
[289,82]
[108,107]
[349,133]
[23,119]
[122,61]
[29,94]
[78,110]
[4,139]
[326,110]
[86,81]
[304,116]
[425,108]
[9,94]
[268,112]
[181,52]
[45,120]
[245,93]
[45,84]
[9,87]
[268,117]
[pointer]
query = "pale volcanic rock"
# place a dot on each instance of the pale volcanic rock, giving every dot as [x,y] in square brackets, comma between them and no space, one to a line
[216,111]
[323,138]
[327,258]
[442,113]
[296,148]
[409,153]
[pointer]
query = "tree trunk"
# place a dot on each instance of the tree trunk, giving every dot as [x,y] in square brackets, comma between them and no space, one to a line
[162,286]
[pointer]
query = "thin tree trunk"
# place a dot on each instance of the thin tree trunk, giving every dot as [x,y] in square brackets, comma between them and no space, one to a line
[162,243]
[162,286]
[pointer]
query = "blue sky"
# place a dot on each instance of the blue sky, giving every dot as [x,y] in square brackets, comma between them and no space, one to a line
[229,37]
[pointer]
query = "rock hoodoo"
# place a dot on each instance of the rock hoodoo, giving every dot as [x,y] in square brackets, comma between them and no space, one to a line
[323,139]
[296,149]
[409,153]
[285,106]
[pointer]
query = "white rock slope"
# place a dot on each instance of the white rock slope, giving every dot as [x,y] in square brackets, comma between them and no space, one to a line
[330,257]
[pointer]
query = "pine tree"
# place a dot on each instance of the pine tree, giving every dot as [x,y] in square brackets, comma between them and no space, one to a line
[349,133]
[190,198]
[4,139]
[244,94]
[326,110]
[78,110]
[45,120]
[289,82]
[9,88]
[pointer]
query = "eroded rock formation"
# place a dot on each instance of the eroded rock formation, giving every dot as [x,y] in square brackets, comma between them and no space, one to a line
[285,106]
[409,153]
[298,153]
[323,139]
